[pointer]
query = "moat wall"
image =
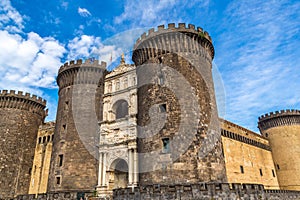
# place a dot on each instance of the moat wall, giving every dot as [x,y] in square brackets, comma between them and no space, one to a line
[203,191]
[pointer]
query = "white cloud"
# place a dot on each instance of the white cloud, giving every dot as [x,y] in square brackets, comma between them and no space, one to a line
[29,62]
[65,5]
[260,59]
[90,46]
[10,19]
[83,12]
[152,13]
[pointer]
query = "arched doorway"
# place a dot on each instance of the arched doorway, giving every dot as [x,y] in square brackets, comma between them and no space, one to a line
[118,174]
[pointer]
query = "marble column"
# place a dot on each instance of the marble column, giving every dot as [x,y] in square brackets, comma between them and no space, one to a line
[130,167]
[100,170]
[104,170]
[135,166]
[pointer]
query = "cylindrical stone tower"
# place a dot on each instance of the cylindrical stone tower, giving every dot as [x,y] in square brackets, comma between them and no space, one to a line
[20,117]
[282,129]
[179,133]
[74,164]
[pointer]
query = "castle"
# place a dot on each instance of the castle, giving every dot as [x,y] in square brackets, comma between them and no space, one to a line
[148,130]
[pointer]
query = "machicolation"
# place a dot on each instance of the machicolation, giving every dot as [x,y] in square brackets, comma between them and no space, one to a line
[173,39]
[279,118]
[19,100]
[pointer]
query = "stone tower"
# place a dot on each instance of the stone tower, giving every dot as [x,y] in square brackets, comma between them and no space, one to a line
[20,117]
[282,130]
[74,161]
[178,126]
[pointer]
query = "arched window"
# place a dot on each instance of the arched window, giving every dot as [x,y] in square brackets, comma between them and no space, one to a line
[120,109]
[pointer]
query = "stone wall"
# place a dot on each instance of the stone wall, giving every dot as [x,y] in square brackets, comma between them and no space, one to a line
[63,195]
[42,157]
[20,117]
[179,137]
[248,157]
[282,130]
[74,161]
[204,192]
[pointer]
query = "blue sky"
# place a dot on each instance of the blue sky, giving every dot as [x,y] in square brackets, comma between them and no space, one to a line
[257,61]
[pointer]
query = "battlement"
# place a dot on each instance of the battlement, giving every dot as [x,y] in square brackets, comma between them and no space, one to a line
[81,63]
[181,27]
[22,95]
[279,118]
[173,39]
[80,72]
[286,112]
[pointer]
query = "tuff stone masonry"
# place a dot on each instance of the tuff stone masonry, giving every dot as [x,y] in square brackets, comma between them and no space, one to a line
[42,158]
[282,131]
[148,130]
[20,117]
[74,164]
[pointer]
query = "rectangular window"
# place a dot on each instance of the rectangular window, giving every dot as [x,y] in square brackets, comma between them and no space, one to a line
[162,108]
[60,160]
[58,180]
[40,140]
[242,169]
[278,166]
[273,173]
[260,172]
[166,145]
[161,80]
[134,81]
[66,105]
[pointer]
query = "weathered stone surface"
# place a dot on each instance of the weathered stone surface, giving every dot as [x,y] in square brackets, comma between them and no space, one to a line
[204,192]
[76,133]
[249,151]
[174,68]
[20,117]
[282,129]
[42,158]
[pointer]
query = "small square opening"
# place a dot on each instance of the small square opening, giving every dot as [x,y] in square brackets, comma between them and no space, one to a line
[260,172]
[273,173]
[58,180]
[60,160]
[166,145]
[242,169]
[163,108]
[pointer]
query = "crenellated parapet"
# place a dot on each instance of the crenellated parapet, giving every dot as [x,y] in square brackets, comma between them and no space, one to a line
[174,39]
[23,101]
[80,72]
[279,118]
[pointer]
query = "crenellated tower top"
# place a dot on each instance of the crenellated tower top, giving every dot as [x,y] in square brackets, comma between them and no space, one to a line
[80,63]
[80,72]
[23,101]
[279,118]
[172,38]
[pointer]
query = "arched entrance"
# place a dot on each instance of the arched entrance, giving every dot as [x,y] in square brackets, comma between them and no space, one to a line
[118,174]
